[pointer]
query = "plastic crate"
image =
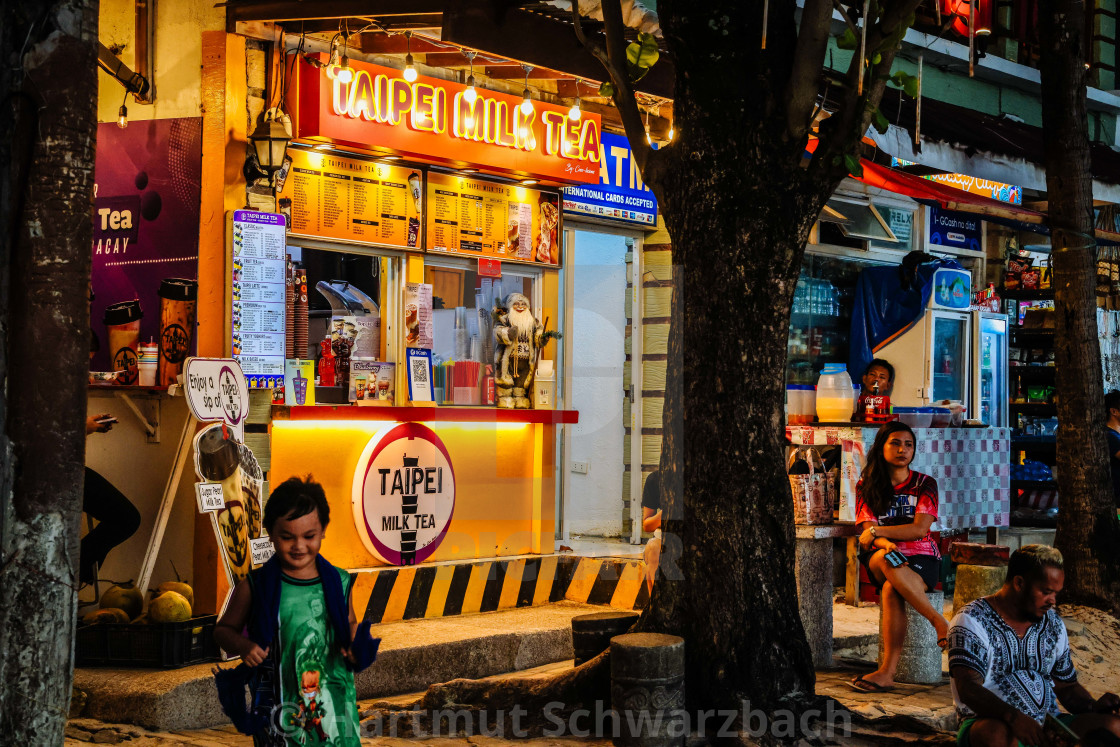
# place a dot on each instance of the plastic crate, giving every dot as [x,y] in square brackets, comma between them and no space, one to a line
[160,645]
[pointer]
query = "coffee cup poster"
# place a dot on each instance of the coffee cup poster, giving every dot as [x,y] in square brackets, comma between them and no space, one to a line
[232,492]
[144,275]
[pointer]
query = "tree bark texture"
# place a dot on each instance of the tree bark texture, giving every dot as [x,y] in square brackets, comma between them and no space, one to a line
[739,203]
[47,133]
[1088,531]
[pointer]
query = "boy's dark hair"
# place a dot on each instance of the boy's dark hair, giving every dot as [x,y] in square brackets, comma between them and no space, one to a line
[1111,402]
[881,364]
[294,498]
[1031,562]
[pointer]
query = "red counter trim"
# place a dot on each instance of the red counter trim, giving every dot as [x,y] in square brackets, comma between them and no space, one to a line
[424,414]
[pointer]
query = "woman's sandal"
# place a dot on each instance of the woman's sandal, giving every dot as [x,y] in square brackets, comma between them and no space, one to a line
[943,643]
[862,685]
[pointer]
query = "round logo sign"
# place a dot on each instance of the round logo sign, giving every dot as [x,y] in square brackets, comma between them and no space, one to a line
[404,493]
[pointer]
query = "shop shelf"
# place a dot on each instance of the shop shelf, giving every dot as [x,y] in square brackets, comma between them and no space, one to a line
[1031,337]
[1023,443]
[817,320]
[441,414]
[1028,295]
[156,645]
[1034,408]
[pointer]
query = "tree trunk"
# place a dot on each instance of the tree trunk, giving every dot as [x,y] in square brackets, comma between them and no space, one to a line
[727,566]
[1088,532]
[49,121]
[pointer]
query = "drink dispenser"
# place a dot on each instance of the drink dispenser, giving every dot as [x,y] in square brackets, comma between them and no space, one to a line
[836,394]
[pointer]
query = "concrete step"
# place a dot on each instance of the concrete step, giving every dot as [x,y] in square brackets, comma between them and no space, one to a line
[414,654]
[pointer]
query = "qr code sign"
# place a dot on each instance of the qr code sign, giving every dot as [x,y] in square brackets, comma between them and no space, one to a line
[419,371]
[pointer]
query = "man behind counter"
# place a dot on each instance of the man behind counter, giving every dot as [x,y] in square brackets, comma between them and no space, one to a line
[878,372]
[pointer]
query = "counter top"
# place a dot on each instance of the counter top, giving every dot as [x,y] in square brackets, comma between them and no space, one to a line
[443,414]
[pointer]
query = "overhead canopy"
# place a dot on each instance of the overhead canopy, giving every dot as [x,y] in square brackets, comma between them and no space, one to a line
[932,193]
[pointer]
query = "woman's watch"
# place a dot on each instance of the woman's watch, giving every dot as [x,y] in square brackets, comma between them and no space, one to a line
[874,533]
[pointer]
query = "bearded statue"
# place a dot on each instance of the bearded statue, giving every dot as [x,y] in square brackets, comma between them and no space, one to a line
[518,341]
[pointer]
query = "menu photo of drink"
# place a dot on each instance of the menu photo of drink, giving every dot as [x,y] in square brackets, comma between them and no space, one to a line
[353,199]
[418,315]
[476,217]
[258,324]
[371,382]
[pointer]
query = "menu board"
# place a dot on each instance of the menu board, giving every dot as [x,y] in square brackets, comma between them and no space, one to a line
[475,217]
[259,268]
[333,197]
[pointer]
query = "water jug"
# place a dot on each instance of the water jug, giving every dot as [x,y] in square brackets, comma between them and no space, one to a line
[836,395]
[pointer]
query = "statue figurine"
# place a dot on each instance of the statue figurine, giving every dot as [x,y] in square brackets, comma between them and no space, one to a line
[518,341]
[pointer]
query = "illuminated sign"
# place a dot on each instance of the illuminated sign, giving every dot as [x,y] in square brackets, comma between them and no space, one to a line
[1009,193]
[620,194]
[960,9]
[404,493]
[435,119]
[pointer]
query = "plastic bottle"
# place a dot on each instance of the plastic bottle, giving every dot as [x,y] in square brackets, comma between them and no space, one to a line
[836,395]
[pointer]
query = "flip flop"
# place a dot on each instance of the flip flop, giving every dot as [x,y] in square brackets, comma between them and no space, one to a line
[861,685]
[943,644]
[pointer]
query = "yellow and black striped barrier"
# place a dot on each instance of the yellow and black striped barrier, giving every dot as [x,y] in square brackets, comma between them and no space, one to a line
[408,593]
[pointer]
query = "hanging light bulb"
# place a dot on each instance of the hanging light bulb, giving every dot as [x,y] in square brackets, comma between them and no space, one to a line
[345,73]
[671,131]
[526,97]
[470,94]
[122,113]
[574,113]
[409,70]
[649,140]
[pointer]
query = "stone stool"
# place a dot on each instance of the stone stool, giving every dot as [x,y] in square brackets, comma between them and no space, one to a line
[981,570]
[592,634]
[647,689]
[920,663]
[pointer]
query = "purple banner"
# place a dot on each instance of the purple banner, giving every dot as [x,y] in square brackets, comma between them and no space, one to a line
[148,183]
[252,216]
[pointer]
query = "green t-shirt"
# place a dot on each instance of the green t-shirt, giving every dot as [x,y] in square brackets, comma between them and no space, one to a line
[316,688]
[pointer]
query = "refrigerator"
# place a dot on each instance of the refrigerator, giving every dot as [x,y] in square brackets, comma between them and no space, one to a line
[989,387]
[933,358]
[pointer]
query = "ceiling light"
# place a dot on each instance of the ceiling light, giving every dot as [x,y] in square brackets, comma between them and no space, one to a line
[470,94]
[526,97]
[409,70]
[468,171]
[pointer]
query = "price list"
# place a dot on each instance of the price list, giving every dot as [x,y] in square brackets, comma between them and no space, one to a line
[475,217]
[258,244]
[353,199]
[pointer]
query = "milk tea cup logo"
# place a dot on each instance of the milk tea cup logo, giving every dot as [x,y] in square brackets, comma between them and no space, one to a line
[404,494]
[221,459]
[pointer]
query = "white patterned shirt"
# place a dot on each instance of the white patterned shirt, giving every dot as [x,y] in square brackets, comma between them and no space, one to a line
[1020,671]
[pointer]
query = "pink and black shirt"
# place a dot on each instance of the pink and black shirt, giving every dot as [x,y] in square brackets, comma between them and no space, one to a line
[917,495]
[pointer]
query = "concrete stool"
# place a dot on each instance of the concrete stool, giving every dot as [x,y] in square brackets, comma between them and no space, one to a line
[592,634]
[920,663]
[647,689]
[981,570]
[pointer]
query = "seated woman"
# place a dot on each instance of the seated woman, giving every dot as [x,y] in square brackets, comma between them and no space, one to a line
[895,508]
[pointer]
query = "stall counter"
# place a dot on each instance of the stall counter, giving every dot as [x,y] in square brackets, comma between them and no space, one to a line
[972,467]
[408,485]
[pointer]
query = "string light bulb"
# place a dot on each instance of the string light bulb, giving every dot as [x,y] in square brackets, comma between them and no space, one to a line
[122,113]
[345,73]
[526,97]
[574,113]
[470,94]
[409,70]
[649,140]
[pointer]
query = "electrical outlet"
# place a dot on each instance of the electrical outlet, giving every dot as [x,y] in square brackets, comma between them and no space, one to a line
[581,467]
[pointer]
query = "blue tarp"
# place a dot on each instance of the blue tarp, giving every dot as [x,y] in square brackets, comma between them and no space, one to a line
[885,307]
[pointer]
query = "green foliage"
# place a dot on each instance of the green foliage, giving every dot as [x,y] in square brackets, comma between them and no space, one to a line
[855,168]
[905,81]
[879,121]
[847,40]
[606,89]
[641,56]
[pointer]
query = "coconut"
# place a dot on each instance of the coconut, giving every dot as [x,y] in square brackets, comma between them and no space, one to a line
[179,587]
[170,606]
[124,597]
[107,615]
[142,620]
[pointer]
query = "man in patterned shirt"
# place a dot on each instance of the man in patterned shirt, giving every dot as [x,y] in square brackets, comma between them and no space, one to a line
[1009,658]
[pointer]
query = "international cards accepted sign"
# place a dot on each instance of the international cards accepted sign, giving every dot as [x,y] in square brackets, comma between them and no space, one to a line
[621,194]
[404,493]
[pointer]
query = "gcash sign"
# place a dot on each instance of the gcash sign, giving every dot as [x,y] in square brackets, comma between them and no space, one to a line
[436,119]
[404,494]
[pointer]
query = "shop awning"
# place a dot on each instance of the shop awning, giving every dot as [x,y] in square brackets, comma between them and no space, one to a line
[932,193]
